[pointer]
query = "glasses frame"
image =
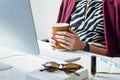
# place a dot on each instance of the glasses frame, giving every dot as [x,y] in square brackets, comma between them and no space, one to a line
[67,68]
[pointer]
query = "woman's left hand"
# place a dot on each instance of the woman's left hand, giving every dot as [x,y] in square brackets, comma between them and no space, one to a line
[69,40]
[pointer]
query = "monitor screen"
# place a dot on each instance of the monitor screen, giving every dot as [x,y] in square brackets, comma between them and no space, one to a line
[17,30]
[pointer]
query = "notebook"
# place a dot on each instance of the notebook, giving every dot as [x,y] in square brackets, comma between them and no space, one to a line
[57,75]
[108,65]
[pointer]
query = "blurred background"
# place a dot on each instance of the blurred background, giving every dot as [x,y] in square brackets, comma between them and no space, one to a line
[45,14]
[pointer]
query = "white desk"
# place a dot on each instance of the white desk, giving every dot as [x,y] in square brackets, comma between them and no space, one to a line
[24,64]
[6,74]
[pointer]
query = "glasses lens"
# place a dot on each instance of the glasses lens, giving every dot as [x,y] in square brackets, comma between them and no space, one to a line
[51,66]
[71,67]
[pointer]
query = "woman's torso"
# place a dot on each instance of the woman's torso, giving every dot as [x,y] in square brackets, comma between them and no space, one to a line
[87,21]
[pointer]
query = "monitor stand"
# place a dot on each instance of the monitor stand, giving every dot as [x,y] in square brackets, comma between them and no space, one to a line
[4,66]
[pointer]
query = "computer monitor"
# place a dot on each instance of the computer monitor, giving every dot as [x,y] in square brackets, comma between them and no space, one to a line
[17,30]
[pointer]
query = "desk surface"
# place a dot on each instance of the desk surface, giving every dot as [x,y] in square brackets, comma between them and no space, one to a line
[24,63]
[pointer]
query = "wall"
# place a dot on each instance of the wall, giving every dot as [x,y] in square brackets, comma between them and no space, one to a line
[45,14]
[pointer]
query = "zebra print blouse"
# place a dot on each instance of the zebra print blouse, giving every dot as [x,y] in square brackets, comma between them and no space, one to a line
[89,26]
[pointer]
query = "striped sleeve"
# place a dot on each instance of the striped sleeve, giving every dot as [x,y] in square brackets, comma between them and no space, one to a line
[89,26]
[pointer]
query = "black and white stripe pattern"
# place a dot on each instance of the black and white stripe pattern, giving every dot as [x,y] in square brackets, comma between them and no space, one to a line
[89,27]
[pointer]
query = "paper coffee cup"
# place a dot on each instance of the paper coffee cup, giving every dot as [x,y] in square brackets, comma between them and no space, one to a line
[59,27]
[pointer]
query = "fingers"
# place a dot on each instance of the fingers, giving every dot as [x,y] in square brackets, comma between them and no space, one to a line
[72,31]
[52,44]
[63,39]
[65,46]
[64,33]
[66,39]
[52,41]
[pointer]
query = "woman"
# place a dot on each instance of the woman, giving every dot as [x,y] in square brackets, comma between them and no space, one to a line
[86,26]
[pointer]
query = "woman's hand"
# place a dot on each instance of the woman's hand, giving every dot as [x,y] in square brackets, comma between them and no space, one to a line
[68,40]
[52,41]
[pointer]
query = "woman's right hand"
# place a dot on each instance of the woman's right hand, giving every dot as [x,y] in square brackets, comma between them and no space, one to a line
[52,41]
[68,40]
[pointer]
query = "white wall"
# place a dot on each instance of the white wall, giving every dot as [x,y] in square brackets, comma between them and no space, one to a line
[45,14]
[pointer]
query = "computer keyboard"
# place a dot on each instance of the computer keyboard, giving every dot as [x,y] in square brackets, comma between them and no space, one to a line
[59,55]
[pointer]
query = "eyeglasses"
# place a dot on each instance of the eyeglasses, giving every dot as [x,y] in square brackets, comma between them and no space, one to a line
[67,68]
